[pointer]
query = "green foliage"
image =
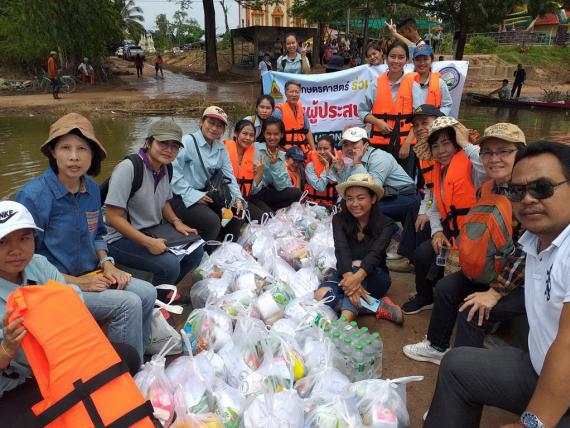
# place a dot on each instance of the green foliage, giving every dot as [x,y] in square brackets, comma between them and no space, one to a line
[555,95]
[555,58]
[480,44]
[30,29]
[181,31]
[133,19]
[225,43]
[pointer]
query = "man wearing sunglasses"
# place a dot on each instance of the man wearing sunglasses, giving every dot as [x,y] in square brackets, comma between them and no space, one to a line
[536,384]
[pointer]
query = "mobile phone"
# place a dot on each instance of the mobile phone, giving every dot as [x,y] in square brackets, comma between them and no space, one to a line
[372,306]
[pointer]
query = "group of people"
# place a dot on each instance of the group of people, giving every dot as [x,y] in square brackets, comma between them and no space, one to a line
[418,174]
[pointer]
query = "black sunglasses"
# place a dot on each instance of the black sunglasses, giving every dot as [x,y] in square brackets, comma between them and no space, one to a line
[539,189]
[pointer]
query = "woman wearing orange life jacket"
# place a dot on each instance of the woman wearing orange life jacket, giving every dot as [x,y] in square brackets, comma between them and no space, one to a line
[248,173]
[458,173]
[320,187]
[388,107]
[297,128]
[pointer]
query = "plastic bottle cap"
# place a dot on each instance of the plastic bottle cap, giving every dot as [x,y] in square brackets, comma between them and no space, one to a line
[364,330]
[347,341]
[327,328]
[354,324]
[336,334]
[358,347]
[357,335]
[376,335]
[335,323]
[343,318]
[368,342]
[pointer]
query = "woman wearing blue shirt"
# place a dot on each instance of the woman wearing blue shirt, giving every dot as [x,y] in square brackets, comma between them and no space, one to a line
[191,202]
[66,203]
[275,191]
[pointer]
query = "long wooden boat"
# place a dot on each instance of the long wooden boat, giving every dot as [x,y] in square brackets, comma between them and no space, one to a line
[486,99]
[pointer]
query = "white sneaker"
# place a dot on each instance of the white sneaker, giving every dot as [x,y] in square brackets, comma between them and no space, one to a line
[391,251]
[423,351]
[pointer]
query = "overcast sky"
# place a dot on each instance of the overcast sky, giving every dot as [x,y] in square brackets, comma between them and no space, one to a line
[152,8]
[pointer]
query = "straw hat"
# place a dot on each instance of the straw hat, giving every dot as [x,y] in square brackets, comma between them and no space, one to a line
[503,131]
[360,180]
[65,124]
[422,148]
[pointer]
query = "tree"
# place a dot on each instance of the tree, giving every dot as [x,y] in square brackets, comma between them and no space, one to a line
[466,15]
[30,29]
[163,36]
[186,30]
[132,19]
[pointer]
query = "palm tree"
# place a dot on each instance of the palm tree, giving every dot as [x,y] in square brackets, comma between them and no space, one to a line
[132,19]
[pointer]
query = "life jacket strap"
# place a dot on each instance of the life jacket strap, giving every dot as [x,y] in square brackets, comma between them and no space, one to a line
[451,219]
[82,394]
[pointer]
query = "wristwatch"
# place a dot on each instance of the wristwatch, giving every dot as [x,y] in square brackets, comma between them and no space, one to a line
[530,420]
[106,259]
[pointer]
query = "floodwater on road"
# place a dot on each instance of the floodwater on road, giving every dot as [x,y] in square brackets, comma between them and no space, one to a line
[21,137]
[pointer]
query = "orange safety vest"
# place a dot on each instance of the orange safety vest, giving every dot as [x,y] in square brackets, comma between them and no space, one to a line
[293,176]
[83,381]
[397,114]
[459,192]
[329,196]
[295,131]
[244,171]
[434,91]
[426,169]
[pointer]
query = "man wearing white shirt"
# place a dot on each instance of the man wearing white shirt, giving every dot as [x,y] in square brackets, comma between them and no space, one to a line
[535,385]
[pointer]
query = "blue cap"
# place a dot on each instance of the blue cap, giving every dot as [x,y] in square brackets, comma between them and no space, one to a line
[423,50]
[295,153]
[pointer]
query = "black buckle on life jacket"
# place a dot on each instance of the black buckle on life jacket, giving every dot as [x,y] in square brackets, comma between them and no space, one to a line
[451,219]
[242,183]
[427,169]
[82,394]
[394,136]
[330,194]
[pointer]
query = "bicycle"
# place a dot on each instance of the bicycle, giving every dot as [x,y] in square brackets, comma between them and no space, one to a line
[43,83]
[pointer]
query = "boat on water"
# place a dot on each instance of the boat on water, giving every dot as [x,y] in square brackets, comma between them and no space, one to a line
[521,102]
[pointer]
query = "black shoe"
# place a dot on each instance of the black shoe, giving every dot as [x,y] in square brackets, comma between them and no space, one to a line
[417,304]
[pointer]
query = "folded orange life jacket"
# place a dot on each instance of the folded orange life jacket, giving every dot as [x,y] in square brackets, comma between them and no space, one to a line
[82,379]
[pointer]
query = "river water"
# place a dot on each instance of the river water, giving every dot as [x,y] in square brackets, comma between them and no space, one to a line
[21,137]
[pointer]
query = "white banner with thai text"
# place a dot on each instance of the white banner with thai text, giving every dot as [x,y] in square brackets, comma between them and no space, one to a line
[331,100]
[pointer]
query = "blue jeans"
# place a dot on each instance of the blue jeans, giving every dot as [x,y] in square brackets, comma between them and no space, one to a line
[397,207]
[377,284]
[129,312]
[165,267]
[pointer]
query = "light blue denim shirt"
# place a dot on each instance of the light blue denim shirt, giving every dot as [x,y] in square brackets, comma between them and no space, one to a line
[188,174]
[291,66]
[420,93]
[316,182]
[276,174]
[365,107]
[37,272]
[381,165]
[73,223]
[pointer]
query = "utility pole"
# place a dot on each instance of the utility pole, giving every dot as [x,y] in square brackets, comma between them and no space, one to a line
[348,21]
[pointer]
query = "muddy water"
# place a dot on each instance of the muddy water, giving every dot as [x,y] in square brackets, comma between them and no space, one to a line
[20,137]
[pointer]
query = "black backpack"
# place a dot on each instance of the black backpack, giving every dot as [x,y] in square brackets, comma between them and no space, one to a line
[137,178]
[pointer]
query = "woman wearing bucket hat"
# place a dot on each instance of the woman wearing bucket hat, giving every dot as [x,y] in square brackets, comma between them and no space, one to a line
[65,202]
[457,175]
[361,236]
[203,156]
[127,214]
[454,295]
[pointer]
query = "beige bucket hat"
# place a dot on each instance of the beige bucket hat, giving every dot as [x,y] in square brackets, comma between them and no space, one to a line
[361,180]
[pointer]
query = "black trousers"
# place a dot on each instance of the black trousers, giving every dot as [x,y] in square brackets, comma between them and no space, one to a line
[449,294]
[16,404]
[427,272]
[139,70]
[55,87]
[470,378]
[208,222]
[517,86]
[411,239]
[269,200]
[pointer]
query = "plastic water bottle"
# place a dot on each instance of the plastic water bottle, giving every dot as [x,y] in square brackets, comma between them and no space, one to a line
[370,356]
[346,352]
[342,322]
[377,349]
[336,340]
[365,333]
[334,327]
[358,363]
[356,337]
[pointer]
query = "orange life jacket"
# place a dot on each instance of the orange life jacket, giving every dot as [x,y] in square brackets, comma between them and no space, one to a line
[295,131]
[83,381]
[397,114]
[434,91]
[244,171]
[459,192]
[426,169]
[293,176]
[329,196]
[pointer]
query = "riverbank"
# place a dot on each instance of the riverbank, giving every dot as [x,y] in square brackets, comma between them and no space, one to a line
[183,91]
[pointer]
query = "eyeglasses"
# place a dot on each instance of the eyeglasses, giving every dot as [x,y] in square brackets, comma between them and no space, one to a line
[165,145]
[538,189]
[501,154]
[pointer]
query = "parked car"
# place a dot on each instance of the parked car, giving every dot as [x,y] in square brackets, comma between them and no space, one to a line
[132,52]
